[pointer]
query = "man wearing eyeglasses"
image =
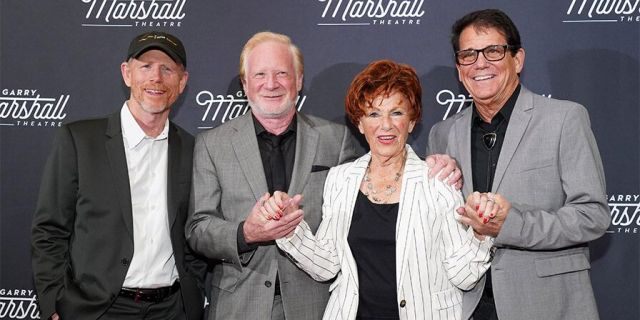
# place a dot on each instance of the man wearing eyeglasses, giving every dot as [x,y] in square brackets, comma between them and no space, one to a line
[535,182]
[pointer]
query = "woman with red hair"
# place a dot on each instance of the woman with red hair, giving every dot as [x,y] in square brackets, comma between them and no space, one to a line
[389,239]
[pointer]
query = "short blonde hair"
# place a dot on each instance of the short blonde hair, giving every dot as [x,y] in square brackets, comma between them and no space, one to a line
[265,36]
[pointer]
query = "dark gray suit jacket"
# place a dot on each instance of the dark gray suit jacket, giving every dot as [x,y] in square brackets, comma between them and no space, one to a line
[82,236]
[550,170]
[228,179]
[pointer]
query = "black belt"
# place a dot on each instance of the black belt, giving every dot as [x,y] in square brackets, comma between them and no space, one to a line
[150,295]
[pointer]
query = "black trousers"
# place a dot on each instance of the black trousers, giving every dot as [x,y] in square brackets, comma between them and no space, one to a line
[486,308]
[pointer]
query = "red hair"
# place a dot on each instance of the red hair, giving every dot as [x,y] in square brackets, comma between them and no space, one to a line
[383,78]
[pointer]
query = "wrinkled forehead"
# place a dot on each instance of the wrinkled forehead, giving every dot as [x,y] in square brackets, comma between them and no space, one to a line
[271,54]
[475,35]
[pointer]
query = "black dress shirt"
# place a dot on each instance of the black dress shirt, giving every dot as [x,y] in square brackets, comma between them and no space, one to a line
[484,159]
[288,148]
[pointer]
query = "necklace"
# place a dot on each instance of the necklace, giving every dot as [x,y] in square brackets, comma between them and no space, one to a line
[490,137]
[389,189]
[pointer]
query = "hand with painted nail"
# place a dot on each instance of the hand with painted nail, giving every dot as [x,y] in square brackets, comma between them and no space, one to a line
[259,227]
[485,213]
[280,204]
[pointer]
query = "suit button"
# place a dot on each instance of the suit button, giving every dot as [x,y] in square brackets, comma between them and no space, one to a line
[125,262]
[267,284]
[403,303]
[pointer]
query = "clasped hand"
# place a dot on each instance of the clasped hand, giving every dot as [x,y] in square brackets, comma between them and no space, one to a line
[273,217]
[485,213]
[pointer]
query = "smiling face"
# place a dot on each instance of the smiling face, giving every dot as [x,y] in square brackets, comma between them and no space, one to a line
[155,80]
[271,82]
[490,83]
[386,125]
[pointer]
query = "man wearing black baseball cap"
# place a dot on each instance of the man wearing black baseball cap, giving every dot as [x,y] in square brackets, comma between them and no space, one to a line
[171,45]
[108,233]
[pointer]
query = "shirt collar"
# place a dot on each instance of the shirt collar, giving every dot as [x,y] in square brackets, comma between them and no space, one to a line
[132,131]
[506,110]
[260,128]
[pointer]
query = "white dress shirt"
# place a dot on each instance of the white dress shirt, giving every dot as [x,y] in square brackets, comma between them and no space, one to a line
[153,264]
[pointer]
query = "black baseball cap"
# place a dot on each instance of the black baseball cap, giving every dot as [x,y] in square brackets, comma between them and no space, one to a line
[168,43]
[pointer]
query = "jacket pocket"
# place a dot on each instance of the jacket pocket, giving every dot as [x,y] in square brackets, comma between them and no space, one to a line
[225,277]
[535,165]
[563,264]
[446,298]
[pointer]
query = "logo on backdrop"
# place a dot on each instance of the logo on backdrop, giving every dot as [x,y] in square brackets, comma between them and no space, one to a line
[456,102]
[371,12]
[220,108]
[603,11]
[625,213]
[18,304]
[28,108]
[134,13]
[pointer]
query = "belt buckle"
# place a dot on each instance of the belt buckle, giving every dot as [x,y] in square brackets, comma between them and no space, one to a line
[138,296]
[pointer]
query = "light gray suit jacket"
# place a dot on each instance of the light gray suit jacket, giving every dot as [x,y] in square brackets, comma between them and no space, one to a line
[228,179]
[550,170]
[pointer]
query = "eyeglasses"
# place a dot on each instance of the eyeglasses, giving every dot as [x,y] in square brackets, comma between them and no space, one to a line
[489,140]
[494,52]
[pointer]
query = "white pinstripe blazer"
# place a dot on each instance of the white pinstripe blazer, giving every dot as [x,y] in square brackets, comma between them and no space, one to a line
[436,256]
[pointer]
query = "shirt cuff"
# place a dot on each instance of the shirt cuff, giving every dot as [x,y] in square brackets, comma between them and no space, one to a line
[243,246]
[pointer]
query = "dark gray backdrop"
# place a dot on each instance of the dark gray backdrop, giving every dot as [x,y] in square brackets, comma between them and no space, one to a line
[59,62]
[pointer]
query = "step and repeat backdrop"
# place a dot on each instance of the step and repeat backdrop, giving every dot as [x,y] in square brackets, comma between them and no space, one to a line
[60,62]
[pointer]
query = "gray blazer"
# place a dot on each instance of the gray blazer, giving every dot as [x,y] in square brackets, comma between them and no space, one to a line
[550,170]
[228,179]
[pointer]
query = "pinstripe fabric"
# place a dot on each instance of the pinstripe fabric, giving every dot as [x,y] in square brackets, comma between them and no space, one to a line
[436,256]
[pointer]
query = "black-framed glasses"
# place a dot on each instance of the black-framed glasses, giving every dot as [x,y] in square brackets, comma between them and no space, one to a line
[495,52]
[489,139]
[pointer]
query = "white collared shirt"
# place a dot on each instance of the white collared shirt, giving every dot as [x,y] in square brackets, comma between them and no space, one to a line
[153,264]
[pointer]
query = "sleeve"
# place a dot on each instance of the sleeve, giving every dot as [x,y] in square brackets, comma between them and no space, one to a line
[436,142]
[316,254]
[53,221]
[585,214]
[207,232]
[466,257]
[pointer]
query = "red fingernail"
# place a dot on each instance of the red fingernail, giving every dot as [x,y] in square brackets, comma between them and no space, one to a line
[480,214]
[485,220]
[477,207]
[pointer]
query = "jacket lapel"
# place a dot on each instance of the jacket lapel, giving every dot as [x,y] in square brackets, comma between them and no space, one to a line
[173,167]
[462,138]
[306,148]
[247,152]
[515,131]
[353,179]
[414,170]
[118,163]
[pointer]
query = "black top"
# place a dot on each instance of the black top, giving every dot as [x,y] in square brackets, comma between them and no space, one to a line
[372,239]
[483,158]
